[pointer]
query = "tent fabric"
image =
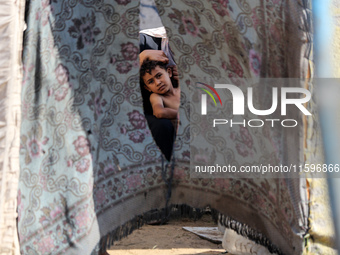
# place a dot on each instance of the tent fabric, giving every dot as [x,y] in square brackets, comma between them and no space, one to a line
[202,59]
[322,237]
[90,170]
[12,24]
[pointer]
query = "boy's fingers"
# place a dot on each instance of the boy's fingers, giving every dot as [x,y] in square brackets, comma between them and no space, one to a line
[165,60]
[156,55]
[159,55]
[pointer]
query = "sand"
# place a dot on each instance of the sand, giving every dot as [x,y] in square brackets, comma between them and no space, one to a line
[167,239]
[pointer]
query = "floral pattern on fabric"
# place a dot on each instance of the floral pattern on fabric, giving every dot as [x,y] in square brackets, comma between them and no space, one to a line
[84,30]
[127,60]
[221,42]
[221,7]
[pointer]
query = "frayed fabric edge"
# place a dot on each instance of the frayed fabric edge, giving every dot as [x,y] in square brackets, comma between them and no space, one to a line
[182,211]
[246,231]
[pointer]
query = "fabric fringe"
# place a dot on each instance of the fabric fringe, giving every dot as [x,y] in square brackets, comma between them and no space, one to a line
[248,232]
[307,26]
[184,211]
[151,217]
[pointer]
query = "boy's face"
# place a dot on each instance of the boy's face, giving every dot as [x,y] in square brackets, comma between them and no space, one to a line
[158,81]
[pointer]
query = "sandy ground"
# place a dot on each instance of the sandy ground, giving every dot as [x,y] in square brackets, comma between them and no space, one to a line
[168,239]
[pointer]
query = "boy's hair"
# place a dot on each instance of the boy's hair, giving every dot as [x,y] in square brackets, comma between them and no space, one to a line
[149,65]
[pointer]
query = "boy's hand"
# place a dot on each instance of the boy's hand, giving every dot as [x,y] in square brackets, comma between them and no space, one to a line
[157,55]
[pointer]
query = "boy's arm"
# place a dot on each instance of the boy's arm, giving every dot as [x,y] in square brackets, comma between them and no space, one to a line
[159,110]
[157,55]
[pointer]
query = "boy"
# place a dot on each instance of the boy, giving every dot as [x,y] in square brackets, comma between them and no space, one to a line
[165,99]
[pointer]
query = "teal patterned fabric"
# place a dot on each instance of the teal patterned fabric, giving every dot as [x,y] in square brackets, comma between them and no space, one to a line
[89,165]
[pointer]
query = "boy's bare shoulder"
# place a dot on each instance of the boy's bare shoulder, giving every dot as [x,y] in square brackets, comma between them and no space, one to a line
[156,97]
